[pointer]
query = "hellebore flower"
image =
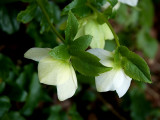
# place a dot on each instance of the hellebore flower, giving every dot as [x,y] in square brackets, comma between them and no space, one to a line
[54,72]
[114,79]
[100,32]
[128,2]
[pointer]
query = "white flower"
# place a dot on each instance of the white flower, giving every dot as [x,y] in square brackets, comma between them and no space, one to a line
[54,72]
[100,32]
[114,79]
[128,2]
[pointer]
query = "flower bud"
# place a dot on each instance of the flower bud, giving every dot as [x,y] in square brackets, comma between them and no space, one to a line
[91,26]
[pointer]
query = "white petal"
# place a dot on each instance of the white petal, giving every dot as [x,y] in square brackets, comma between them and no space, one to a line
[73,75]
[53,72]
[124,87]
[118,78]
[67,89]
[37,53]
[104,82]
[130,2]
[104,56]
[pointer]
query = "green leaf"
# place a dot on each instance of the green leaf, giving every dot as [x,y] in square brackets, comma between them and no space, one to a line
[13,116]
[87,64]
[134,66]
[73,113]
[2,86]
[140,108]
[33,96]
[28,14]
[71,28]
[78,7]
[147,13]
[4,105]
[15,92]
[60,52]
[113,2]
[8,21]
[56,113]
[81,43]
[147,44]
[53,12]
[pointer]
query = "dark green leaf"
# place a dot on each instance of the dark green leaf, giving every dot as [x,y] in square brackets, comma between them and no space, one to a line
[73,113]
[8,21]
[4,105]
[60,52]
[81,43]
[2,86]
[15,92]
[140,108]
[33,96]
[13,116]
[71,28]
[87,64]
[78,7]
[134,66]
[28,14]
[53,12]
[56,113]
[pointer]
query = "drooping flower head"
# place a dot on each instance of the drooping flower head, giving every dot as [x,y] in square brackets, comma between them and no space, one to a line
[113,80]
[52,71]
[91,26]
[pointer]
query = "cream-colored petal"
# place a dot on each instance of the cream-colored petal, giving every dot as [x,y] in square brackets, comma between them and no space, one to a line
[107,32]
[124,87]
[73,75]
[53,72]
[92,28]
[130,2]
[106,57]
[104,82]
[37,53]
[67,89]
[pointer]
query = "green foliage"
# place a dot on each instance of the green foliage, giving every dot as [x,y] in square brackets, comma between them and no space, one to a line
[54,17]
[5,105]
[56,113]
[36,91]
[113,2]
[147,44]
[140,107]
[71,27]
[81,43]
[78,7]
[60,52]
[13,116]
[28,14]
[87,64]
[134,66]
[8,22]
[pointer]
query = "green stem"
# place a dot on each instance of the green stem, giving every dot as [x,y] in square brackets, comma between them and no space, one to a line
[107,22]
[48,20]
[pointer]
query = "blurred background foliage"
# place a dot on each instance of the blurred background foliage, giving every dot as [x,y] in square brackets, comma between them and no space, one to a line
[22,97]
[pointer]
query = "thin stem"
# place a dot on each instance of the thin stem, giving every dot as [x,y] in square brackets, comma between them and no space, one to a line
[106,21]
[48,20]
